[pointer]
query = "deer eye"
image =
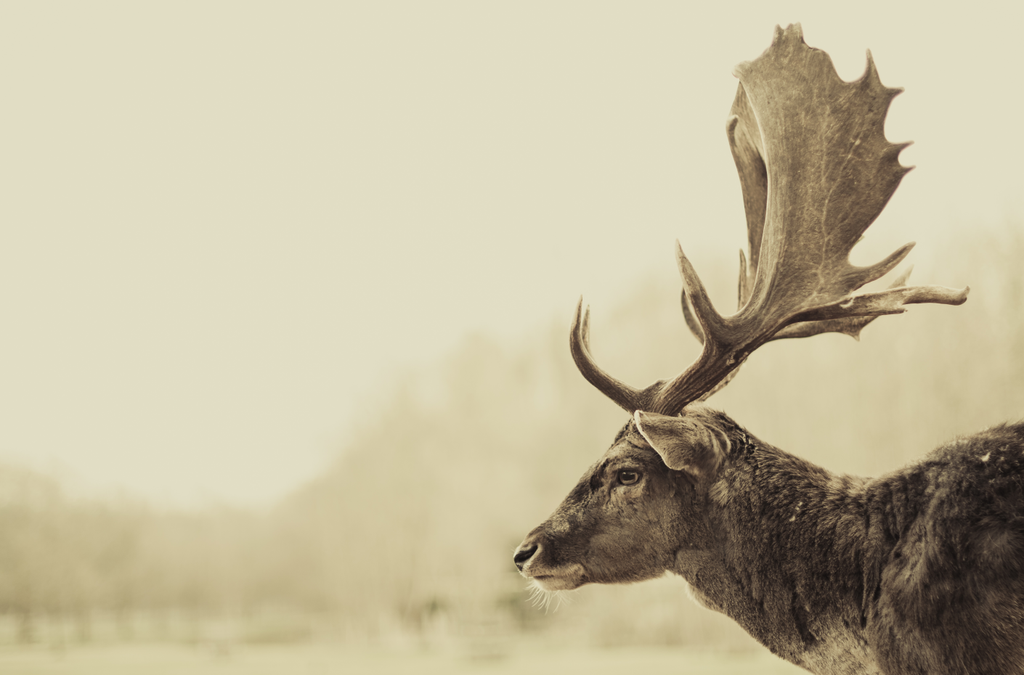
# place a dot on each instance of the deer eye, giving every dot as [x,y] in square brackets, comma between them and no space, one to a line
[628,477]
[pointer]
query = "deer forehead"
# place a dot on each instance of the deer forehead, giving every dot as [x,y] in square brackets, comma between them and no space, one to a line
[630,450]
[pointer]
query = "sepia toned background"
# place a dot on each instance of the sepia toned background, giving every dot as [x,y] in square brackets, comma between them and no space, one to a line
[285,292]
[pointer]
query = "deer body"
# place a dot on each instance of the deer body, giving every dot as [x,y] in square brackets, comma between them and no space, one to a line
[920,571]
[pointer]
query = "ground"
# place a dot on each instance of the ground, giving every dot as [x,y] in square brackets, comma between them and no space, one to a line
[321,659]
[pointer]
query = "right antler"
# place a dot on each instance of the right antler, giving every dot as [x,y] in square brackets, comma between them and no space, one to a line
[815,170]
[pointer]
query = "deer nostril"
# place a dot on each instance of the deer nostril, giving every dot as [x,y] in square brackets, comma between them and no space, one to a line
[524,554]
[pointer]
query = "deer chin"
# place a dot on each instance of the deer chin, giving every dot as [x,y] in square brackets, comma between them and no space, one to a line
[561,578]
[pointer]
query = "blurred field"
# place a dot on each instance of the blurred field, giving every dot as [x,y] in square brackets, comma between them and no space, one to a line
[400,554]
[318,659]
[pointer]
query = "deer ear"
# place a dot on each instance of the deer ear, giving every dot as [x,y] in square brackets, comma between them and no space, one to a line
[684,444]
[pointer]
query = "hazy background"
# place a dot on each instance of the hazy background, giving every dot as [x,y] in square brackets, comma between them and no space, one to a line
[227,227]
[267,268]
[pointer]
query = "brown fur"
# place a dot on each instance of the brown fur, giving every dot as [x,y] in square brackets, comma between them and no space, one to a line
[918,571]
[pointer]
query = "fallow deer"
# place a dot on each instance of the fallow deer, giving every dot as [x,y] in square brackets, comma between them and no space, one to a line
[918,571]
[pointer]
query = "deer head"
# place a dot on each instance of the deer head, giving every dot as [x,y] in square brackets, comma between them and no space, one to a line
[815,171]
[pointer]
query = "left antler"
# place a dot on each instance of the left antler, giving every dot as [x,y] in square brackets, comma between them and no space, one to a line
[816,171]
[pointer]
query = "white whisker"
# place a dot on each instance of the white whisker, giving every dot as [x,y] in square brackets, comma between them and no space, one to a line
[549,601]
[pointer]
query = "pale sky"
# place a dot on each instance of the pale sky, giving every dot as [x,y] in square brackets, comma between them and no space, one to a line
[226,227]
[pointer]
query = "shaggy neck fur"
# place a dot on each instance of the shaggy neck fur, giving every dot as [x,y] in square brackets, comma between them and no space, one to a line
[793,554]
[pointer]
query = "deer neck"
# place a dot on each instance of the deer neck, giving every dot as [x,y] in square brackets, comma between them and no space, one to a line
[787,555]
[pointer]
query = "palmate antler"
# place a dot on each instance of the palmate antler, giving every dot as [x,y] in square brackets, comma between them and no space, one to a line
[815,170]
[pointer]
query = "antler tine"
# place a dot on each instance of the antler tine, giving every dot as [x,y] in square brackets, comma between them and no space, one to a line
[742,295]
[714,364]
[851,326]
[690,319]
[627,397]
[694,325]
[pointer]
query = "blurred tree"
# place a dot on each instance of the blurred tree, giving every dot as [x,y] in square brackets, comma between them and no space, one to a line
[414,525]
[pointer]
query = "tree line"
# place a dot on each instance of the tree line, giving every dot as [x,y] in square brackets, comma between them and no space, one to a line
[413,526]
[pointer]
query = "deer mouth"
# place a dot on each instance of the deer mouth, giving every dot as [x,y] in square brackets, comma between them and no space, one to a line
[564,579]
